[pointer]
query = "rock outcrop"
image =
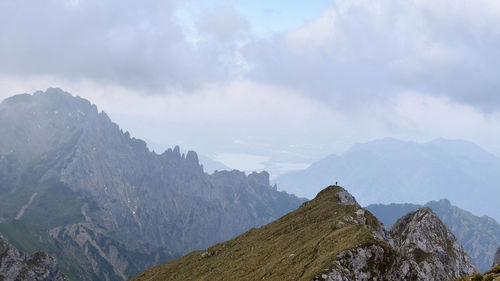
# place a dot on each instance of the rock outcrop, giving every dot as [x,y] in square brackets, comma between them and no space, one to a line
[15,265]
[421,237]
[421,248]
[496,261]
[372,262]
[479,235]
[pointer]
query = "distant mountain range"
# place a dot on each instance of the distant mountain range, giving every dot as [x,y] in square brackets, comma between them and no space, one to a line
[74,184]
[389,170]
[328,238]
[480,236]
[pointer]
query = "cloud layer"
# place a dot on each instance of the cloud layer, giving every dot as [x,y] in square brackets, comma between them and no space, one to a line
[356,52]
[368,50]
[193,73]
[137,44]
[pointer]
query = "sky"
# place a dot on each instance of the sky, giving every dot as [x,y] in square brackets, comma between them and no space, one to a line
[269,85]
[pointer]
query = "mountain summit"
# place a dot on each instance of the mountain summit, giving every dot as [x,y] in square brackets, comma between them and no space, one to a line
[422,237]
[328,238]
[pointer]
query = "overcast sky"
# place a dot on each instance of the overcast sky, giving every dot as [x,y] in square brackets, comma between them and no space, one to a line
[266,85]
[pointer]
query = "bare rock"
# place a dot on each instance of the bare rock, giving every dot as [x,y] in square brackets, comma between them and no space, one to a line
[346,198]
[373,262]
[422,237]
[15,265]
[496,261]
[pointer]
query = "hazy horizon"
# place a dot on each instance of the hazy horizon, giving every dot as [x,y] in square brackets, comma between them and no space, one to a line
[261,85]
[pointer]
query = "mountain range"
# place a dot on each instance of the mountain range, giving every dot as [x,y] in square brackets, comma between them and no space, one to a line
[74,184]
[389,170]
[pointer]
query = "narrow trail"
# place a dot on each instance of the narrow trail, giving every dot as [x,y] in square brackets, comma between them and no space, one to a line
[21,212]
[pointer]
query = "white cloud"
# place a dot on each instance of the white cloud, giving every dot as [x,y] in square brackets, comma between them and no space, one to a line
[373,50]
[136,44]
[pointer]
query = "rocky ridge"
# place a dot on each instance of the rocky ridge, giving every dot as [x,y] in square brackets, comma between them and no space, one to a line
[328,238]
[422,237]
[15,265]
[479,235]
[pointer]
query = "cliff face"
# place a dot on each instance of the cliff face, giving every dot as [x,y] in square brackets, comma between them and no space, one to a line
[373,262]
[423,238]
[328,238]
[15,265]
[66,167]
[496,261]
[478,234]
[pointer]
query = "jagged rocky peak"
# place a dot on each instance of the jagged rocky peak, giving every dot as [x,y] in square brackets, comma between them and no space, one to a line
[422,237]
[177,151]
[261,178]
[192,158]
[496,261]
[337,194]
[15,265]
[444,203]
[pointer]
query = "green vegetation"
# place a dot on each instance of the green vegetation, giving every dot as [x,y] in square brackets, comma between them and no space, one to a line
[477,277]
[494,270]
[73,260]
[30,239]
[298,246]
[54,204]
[25,238]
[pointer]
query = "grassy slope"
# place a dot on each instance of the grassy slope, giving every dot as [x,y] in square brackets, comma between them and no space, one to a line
[298,246]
